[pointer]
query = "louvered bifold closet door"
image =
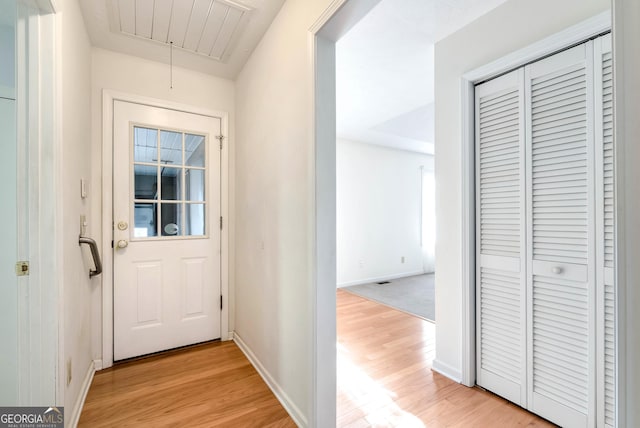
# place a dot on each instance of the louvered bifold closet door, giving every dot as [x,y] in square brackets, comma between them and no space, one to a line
[560,234]
[500,240]
[603,80]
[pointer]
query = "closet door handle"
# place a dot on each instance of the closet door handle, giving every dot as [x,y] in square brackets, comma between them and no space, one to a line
[557,270]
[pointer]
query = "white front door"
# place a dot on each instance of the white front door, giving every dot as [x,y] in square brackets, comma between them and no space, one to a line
[166,232]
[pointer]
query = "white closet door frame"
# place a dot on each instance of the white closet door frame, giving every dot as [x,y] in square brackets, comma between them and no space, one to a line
[582,31]
[537,402]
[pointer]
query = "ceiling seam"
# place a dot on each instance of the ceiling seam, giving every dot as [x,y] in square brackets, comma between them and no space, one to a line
[224,21]
[204,26]
[117,4]
[186,30]
[153,16]
[166,40]
[135,17]
[233,33]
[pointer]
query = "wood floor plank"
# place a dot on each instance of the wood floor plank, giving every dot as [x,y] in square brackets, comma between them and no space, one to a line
[384,380]
[385,377]
[204,386]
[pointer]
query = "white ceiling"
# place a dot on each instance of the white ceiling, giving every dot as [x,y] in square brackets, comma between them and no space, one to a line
[211,36]
[385,70]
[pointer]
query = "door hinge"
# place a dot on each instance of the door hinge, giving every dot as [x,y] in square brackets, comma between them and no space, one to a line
[22,268]
[221,302]
[220,222]
[220,138]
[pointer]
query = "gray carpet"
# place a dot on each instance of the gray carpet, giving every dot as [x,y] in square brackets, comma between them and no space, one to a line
[413,294]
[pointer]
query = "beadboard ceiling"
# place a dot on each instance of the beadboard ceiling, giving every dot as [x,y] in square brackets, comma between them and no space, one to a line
[211,36]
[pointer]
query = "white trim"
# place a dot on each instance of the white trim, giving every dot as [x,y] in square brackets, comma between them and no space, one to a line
[97,365]
[108,99]
[296,414]
[58,213]
[323,232]
[626,93]
[580,32]
[468,260]
[72,419]
[326,16]
[446,370]
[322,223]
[38,154]
[381,278]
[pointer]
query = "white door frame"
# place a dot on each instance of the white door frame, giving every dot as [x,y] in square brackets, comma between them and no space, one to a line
[40,295]
[108,99]
[336,20]
[587,29]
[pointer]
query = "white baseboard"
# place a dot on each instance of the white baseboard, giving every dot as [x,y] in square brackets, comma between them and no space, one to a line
[97,365]
[380,278]
[230,335]
[73,419]
[295,413]
[446,370]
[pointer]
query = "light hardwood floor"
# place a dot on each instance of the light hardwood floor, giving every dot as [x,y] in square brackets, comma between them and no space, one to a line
[204,386]
[384,380]
[385,377]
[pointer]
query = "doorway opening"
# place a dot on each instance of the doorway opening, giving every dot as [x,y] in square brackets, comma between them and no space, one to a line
[385,213]
[330,34]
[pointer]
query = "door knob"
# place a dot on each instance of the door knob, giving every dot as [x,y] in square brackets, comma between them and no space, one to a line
[557,270]
[122,243]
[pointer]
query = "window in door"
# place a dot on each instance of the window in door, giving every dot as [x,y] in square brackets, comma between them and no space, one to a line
[169,174]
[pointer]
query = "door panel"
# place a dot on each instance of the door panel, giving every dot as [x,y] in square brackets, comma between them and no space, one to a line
[500,294]
[561,257]
[166,239]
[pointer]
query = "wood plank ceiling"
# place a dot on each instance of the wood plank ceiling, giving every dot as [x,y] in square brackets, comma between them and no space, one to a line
[205,27]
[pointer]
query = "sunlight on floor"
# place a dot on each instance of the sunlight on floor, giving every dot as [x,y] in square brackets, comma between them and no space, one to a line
[375,401]
[429,339]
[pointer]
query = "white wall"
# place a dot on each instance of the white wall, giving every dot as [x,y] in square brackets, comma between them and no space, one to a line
[274,202]
[379,200]
[8,245]
[8,213]
[137,76]
[7,53]
[75,129]
[626,34]
[511,26]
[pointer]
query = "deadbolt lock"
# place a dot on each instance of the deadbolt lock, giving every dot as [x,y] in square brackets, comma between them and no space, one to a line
[122,225]
[22,268]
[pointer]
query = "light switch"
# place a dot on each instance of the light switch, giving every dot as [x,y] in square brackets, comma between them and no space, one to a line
[83,188]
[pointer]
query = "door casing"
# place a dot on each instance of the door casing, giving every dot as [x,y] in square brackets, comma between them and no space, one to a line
[576,34]
[108,99]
